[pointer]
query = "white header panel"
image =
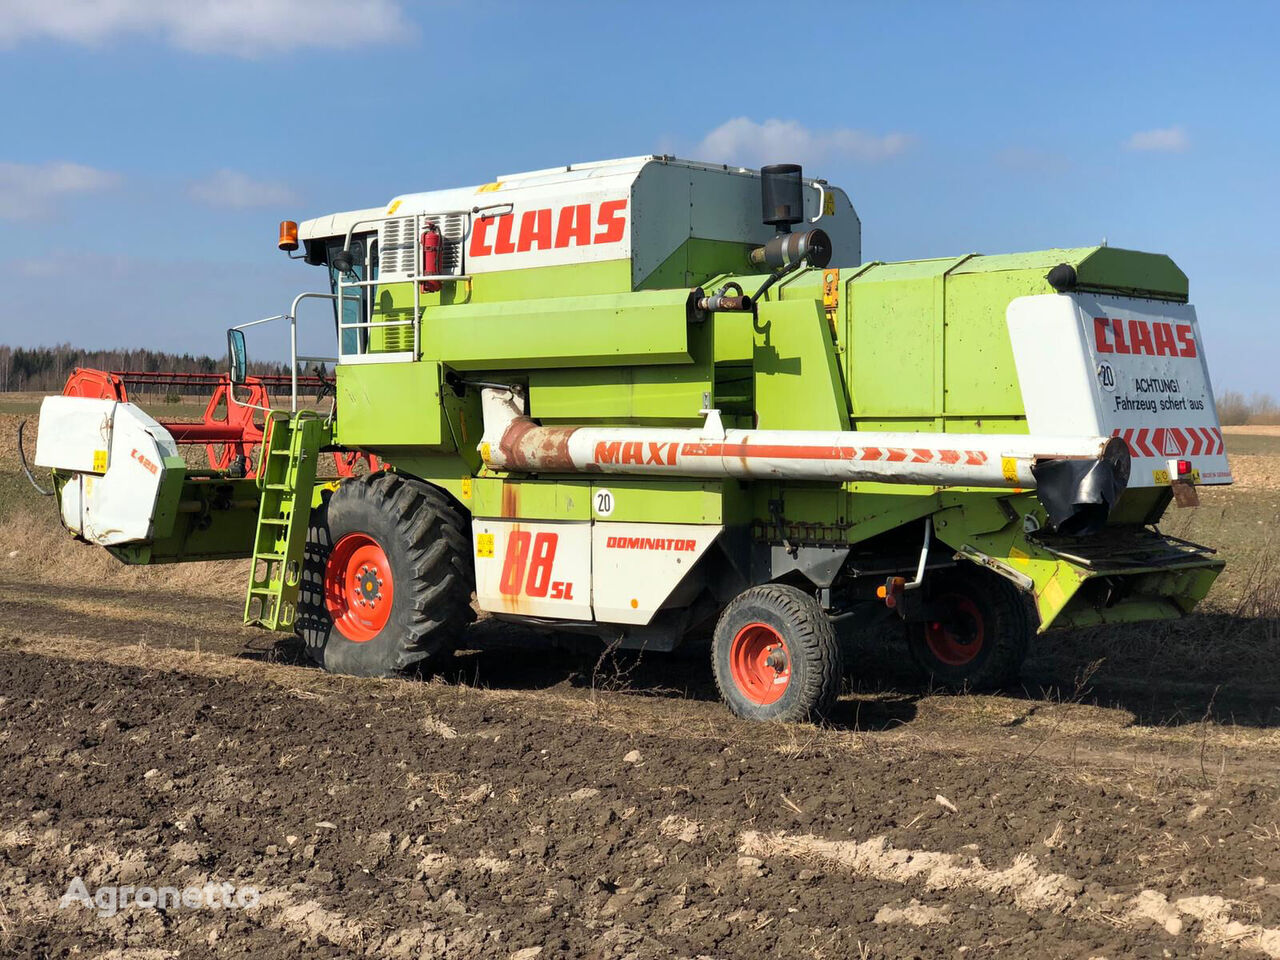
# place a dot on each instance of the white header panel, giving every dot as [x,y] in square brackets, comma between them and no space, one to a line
[1120,366]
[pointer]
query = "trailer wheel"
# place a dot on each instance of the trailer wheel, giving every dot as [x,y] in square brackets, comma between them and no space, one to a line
[387,577]
[775,655]
[983,638]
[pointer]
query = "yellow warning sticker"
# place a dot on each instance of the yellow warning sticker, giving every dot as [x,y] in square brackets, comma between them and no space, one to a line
[829,204]
[490,187]
[1052,596]
[831,288]
[395,205]
[99,461]
[485,450]
[1161,477]
[466,488]
[1009,467]
[484,544]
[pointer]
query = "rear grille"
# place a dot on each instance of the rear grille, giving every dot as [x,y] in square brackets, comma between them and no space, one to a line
[398,246]
[397,249]
[397,339]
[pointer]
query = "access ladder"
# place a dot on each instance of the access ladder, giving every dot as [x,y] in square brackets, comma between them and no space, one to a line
[287,476]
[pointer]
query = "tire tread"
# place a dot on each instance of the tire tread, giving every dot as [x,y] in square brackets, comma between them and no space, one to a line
[436,538]
[811,636]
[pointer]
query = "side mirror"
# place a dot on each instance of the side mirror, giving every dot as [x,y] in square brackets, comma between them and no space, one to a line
[239,357]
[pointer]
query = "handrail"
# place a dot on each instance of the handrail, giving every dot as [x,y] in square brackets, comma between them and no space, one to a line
[292,317]
[293,341]
[416,278]
[464,212]
[415,322]
[346,244]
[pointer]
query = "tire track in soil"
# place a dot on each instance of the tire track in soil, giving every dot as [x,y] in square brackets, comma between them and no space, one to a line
[519,832]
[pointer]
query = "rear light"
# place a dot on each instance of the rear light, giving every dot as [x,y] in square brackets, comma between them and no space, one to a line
[1184,468]
[891,592]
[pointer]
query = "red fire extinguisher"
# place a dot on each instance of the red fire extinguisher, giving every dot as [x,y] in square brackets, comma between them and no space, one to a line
[431,242]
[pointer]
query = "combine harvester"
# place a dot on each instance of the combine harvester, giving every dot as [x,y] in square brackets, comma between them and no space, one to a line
[608,398]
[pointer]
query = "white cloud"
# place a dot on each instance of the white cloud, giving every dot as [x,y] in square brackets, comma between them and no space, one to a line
[231,188]
[744,141]
[33,190]
[1163,140]
[246,28]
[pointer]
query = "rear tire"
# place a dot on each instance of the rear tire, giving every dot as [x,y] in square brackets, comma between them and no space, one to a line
[775,655]
[983,643]
[386,577]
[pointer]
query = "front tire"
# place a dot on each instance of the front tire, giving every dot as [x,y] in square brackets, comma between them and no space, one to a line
[982,640]
[775,655]
[387,577]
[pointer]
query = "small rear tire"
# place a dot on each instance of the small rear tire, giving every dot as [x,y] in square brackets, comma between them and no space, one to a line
[386,577]
[983,639]
[775,655]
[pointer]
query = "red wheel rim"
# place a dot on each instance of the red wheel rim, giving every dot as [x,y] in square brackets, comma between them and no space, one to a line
[760,663]
[958,640]
[358,589]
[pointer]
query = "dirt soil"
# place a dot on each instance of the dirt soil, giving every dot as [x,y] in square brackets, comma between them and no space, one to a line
[413,819]
[532,799]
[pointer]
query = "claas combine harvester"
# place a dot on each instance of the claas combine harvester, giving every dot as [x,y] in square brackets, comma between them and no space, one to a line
[658,401]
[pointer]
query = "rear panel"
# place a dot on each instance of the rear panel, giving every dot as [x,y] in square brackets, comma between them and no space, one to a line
[1120,366]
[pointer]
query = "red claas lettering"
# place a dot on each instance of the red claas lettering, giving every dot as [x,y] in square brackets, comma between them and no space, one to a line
[1155,339]
[549,229]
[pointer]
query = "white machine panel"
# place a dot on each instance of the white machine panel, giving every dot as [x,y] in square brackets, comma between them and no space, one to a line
[637,208]
[636,566]
[1120,366]
[537,569]
[117,457]
[75,434]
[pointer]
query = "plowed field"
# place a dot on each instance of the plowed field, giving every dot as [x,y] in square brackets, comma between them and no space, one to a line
[533,799]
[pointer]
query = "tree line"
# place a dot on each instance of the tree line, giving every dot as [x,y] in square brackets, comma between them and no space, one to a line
[45,369]
[1235,408]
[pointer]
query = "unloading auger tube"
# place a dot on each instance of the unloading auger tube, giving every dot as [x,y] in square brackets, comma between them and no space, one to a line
[1078,479]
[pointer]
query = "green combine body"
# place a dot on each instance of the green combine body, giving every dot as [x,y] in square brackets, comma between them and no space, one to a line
[629,310]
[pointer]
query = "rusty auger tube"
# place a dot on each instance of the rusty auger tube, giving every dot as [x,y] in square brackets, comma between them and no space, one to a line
[514,442]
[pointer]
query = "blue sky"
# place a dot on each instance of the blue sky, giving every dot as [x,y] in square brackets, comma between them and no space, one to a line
[151,146]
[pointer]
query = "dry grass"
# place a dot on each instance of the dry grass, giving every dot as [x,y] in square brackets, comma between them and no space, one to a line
[1253,430]
[33,547]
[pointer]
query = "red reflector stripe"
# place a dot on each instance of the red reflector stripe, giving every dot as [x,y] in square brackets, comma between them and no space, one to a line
[872,454]
[1150,441]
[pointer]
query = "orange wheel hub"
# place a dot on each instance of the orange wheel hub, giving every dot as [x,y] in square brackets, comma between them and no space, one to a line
[958,640]
[358,589]
[760,663]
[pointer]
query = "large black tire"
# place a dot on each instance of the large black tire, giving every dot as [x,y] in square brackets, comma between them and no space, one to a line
[775,655]
[394,535]
[985,637]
